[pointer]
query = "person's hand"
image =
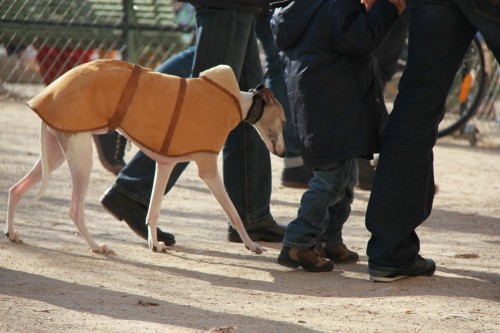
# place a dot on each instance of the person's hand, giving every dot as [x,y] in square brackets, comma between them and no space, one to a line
[368,4]
[400,5]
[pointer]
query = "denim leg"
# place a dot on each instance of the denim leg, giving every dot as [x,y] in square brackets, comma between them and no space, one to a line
[324,207]
[276,82]
[403,190]
[180,64]
[485,16]
[228,37]
[135,180]
[339,212]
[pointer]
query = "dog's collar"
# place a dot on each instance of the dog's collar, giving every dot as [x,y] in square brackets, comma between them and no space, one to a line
[256,110]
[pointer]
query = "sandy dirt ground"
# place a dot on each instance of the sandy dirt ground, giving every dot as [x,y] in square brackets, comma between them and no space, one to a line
[53,283]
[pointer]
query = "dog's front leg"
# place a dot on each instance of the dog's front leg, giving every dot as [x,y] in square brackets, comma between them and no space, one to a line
[162,174]
[208,171]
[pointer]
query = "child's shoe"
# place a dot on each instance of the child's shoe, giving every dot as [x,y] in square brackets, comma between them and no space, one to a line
[309,259]
[338,253]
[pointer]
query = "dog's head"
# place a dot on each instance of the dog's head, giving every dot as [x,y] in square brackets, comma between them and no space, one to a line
[267,115]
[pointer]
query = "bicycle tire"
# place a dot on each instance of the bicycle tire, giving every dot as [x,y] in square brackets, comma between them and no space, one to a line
[466,91]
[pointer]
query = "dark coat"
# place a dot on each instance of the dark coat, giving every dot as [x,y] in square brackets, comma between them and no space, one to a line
[331,75]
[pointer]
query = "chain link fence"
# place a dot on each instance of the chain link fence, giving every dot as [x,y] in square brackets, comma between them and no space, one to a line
[41,39]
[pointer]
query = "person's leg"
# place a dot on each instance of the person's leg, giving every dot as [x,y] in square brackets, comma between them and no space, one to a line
[128,198]
[327,188]
[331,244]
[403,191]
[294,173]
[387,55]
[181,64]
[485,16]
[228,36]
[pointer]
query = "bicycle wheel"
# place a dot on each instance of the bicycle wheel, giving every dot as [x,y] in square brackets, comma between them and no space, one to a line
[466,91]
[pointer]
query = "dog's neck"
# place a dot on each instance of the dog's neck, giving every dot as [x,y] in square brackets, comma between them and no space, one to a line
[245,103]
[252,107]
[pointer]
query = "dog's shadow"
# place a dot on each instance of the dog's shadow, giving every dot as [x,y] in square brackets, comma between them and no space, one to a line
[126,306]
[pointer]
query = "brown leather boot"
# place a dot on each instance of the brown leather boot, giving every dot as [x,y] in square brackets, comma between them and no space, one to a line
[339,253]
[309,259]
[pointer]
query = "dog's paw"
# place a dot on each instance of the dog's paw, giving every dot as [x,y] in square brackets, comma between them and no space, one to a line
[13,237]
[103,248]
[255,248]
[159,247]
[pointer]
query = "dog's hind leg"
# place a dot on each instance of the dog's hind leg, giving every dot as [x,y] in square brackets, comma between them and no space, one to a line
[78,149]
[208,171]
[54,157]
[162,174]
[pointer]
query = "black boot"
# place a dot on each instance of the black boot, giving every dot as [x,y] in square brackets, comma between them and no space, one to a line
[111,149]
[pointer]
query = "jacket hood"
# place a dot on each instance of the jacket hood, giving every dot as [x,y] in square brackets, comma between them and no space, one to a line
[290,19]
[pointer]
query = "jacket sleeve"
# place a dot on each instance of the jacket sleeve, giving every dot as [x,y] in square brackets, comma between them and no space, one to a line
[357,32]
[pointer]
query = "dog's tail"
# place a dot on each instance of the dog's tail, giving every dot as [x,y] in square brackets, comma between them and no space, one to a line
[44,162]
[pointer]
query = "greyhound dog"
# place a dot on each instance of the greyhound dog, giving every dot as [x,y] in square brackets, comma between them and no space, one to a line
[105,94]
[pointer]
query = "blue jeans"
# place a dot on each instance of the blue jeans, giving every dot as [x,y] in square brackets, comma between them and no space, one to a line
[324,207]
[401,199]
[223,37]
[276,82]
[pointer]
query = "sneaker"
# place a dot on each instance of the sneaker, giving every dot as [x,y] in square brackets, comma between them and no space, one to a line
[297,177]
[111,150]
[134,214]
[267,231]
[309,259]
[339,253]
[421,267]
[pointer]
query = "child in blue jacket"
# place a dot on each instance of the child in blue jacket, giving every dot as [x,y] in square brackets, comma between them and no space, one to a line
[336,98]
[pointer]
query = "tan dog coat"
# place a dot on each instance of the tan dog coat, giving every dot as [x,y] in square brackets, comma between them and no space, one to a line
[166,114]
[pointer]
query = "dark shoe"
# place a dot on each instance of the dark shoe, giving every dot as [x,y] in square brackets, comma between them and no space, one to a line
[339,253]
[267,231]
[421,267]
[111,149]
[366,174]
[297,177]
[309,259]
[134,214]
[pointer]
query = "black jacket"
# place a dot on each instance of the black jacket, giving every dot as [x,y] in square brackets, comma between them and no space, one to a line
[257,6]
[332,76]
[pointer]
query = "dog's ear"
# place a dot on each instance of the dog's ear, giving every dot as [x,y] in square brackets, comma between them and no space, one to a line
[265,93]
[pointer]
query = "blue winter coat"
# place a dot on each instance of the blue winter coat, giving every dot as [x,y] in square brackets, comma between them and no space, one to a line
[331,75]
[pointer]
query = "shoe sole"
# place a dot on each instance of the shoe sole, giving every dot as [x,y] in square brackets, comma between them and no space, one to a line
[294,264]
[345,261]
[428,273]
[254,237]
